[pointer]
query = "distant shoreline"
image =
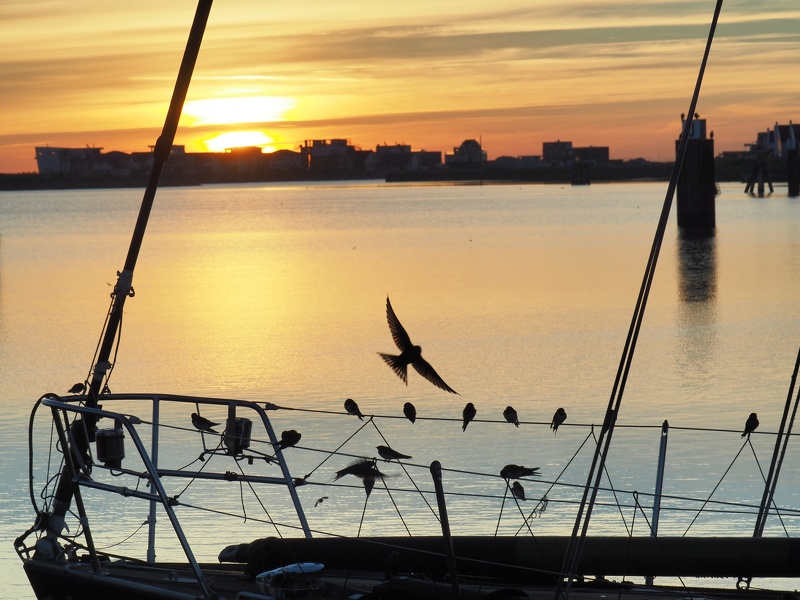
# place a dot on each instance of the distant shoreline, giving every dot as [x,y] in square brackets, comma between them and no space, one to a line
[604,173]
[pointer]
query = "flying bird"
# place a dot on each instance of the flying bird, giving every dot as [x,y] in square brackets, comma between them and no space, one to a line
[510,415]
[389,454]
[352,408]
[518,491]
[410,412]
[203,424]
[289,438]
[409,354]
[517,471]
[365,470]
[320,501]
[558,418]
[750,425]
[469,413]
[78,388]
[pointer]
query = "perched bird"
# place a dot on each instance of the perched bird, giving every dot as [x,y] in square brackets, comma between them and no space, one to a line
[518,491]
[558,418]
[469,413]
[365,470]
[410,412]
[517,471]
[750,425]
[320,501]
[409,354]
[389,454]
[352,408]
[288,439]
[510,415]
[78,388]
[203,424]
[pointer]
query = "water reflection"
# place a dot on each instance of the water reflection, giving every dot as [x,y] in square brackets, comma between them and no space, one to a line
[697,318]
[697,254]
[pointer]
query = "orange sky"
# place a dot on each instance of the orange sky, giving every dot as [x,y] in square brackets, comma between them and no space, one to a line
[430,74]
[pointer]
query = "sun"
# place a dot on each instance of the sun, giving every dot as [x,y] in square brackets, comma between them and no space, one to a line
[236,139]
[231,110]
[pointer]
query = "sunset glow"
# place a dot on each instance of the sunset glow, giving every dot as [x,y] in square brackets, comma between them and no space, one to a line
[226,111]
[238,139]
[431,75]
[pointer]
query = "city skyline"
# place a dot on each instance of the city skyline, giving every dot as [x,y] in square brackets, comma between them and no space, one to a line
[511,75]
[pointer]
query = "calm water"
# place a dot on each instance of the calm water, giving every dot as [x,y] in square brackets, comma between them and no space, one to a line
[519,295]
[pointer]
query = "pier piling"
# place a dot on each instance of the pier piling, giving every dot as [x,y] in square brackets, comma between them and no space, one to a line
[697,188]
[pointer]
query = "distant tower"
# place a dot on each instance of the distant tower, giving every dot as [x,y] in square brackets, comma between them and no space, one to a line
[697,187]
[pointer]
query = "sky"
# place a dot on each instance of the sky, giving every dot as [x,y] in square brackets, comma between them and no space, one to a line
[510,73]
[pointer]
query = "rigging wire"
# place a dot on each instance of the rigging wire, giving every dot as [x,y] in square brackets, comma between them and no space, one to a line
[578,539]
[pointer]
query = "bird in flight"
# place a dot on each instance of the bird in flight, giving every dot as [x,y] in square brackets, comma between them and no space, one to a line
[750,425]
[352,408]
[203,424]
[410,412]
[409,354]
[510,415]
[365,470]
[388,454]
[558,418]
[469,413]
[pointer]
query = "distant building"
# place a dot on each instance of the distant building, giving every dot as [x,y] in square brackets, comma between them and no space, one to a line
[400,157]
[57,161]
[468,155]
[557,153]
[591,154]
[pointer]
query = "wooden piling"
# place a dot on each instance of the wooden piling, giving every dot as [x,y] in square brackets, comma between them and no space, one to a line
[697,187]
[793,172]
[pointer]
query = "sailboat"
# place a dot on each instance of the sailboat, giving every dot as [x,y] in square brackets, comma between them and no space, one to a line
[113,446]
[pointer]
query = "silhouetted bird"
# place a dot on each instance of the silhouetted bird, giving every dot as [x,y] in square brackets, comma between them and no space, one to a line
[409,354]
[365,470]
[352,408]
[410,412]
[289,438]
[558,418]
[469,413]
[320,501]
[389,454]
[750,425]
[517,471]
[518,491]
[510,415]
[78,388]
[202,423]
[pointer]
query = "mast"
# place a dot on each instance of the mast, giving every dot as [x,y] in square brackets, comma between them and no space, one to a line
[123,288]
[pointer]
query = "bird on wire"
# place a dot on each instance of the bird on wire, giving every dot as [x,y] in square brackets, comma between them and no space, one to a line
[558,418]
[469,413]
[78,388]
[365,470]
[203,424]
[750,425]
[410,412]
[518,491]
[289,439]
[352,408]
[517,471]
[510,415]
[388,453]
[409,354]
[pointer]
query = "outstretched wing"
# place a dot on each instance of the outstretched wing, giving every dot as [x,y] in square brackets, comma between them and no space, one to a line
[427,371]
[399,334]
